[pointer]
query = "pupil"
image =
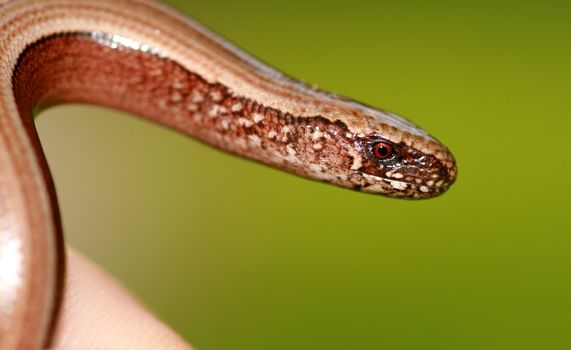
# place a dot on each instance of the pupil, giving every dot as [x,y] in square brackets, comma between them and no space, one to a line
[382,150]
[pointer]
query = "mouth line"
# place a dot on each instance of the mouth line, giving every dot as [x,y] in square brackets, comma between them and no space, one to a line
[401,184]
[405,185]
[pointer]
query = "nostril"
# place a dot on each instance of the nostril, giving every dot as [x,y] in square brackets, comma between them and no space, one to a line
[443,171]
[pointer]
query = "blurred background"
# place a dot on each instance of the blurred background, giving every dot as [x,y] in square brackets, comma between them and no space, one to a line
[235,255]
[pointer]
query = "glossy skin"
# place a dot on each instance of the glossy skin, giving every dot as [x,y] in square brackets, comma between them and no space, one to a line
[138,56]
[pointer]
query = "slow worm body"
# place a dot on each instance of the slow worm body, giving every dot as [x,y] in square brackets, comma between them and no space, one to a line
[143,58]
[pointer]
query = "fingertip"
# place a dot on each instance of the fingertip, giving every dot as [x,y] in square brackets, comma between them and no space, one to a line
[98,313]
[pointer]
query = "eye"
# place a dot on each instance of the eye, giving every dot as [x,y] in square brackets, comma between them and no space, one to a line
[382,150]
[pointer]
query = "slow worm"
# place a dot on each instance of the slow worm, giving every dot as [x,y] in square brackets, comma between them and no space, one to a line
[146,59]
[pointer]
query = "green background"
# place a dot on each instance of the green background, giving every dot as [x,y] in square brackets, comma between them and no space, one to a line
[235,255]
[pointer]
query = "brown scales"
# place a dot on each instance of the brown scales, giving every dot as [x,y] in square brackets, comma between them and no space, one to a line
[74,68]
[77,68]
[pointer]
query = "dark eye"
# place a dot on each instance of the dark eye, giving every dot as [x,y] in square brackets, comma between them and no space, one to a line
[382,150]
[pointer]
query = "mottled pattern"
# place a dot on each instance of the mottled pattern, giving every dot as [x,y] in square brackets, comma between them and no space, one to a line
[124,74]
[215,60]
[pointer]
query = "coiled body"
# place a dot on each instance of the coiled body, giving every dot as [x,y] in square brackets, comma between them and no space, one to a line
[143,58]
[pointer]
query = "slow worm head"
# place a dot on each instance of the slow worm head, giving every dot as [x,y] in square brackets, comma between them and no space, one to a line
[143,58]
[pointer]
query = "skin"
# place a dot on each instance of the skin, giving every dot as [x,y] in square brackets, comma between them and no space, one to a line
[143,58]
[98,313]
